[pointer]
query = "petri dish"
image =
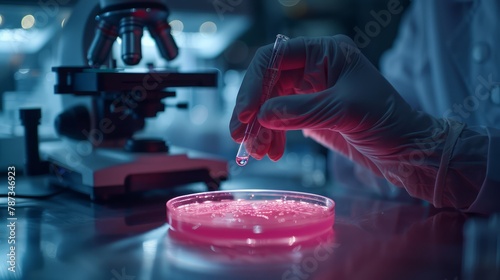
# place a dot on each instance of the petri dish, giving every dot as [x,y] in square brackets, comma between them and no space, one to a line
[251,217]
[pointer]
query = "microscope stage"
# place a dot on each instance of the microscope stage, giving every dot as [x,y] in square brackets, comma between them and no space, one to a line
[107,172]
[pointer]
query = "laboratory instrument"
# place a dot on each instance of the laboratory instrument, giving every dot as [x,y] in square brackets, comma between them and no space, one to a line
[120,163]
[270,77]
[117,162]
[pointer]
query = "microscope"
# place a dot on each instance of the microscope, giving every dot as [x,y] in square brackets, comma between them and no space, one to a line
[105,159]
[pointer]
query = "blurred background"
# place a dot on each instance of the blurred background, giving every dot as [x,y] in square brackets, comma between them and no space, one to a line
[36,35]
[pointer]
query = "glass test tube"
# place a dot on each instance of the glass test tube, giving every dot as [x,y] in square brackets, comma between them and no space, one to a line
[270,78]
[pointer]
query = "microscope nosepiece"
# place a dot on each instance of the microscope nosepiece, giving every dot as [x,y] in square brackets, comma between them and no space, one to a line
[128,21]
[131,35]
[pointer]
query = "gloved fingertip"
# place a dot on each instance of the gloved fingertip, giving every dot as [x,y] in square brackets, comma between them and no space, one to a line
[260,151]
[275,157]
[245,116]
[277,148]
[237,138]
[258,156]
[237,131]
[279,113]
[268,119]
[273,123]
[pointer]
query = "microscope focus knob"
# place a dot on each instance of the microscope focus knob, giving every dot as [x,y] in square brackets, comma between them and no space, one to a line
[72,122]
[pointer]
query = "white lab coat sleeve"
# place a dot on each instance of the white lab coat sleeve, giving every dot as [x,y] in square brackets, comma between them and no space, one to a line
[471,179]
[488,197]
[462,171]
[398,65]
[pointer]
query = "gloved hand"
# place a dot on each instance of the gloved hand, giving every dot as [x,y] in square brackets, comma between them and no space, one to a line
[330,91]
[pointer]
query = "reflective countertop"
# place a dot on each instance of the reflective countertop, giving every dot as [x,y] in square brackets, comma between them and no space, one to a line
[69,237]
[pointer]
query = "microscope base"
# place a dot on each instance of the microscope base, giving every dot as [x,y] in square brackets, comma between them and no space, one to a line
[105,173]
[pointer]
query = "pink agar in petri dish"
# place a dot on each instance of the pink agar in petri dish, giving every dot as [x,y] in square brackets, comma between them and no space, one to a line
[251,217]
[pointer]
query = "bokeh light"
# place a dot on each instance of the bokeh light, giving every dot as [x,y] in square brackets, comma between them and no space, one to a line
[177,26]
[208,28]
[28,21]
[289,3]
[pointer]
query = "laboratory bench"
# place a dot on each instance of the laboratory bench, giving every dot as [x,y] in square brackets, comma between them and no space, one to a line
[66,236]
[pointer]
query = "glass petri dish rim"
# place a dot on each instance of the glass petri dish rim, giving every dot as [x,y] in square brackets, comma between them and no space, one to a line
[256,194]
